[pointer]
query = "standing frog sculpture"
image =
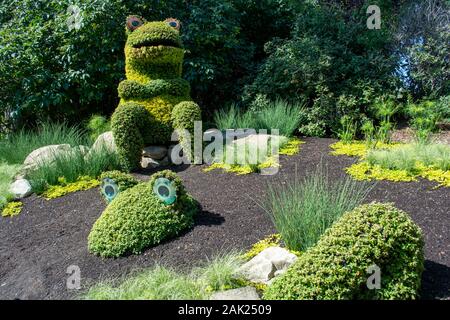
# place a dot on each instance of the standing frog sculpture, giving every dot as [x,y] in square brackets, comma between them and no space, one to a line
[155,100]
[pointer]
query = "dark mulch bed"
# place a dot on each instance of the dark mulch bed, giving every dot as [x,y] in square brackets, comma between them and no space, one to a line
[37,247]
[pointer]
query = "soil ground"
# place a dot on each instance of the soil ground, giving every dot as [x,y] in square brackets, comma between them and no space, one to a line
[37,247]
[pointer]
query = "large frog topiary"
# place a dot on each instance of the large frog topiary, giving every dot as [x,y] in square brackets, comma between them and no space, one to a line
[155,100]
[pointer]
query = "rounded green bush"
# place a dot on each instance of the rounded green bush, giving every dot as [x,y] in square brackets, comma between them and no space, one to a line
[336,268]
[137,219]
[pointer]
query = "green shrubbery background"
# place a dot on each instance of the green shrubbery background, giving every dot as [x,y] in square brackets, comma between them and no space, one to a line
[237,51]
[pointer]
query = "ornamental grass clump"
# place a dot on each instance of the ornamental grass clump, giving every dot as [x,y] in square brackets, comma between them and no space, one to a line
[302,210]
[71,166]
[279,115]
[15,148]
[162,283]
[408,156]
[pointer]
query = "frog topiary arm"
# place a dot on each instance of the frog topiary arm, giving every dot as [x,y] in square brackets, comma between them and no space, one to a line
[185,114]
[130,89]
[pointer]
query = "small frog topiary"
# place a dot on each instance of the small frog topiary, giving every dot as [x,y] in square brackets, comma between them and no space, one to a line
[143,216]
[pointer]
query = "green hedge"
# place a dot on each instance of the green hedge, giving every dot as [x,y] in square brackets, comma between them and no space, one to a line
[336,267]
[137,219]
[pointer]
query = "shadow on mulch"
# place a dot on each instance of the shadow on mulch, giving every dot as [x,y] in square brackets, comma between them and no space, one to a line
[435,281]
[38,246]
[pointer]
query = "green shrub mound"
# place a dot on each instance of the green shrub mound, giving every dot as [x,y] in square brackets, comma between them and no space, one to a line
[336,268]
[137,219]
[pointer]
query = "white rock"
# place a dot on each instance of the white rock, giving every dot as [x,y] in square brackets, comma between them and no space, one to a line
[280,257]
[45,155]
[105,140]
[260,140]
[258,270]
[155,152]
[21,189]
[268,264]
[246,293]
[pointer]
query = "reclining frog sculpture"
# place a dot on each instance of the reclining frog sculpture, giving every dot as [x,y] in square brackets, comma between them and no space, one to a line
[154,99]
[140,215]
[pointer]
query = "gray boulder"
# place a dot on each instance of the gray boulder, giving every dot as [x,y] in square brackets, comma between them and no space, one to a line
[268,264]
[45,155]
[149,163]
[105,140]
[155,152]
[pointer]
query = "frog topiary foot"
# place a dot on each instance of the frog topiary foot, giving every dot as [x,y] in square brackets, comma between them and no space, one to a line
[129,123]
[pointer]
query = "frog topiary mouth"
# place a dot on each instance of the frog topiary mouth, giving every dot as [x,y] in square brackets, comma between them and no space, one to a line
[157,43]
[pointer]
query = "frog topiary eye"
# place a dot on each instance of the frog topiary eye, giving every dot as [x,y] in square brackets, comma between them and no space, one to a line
[110,189]
[174,23]
[134,22]
[165,190]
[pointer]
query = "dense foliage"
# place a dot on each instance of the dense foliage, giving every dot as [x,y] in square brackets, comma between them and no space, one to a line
[185,114]
[333,61]
[236,51]
[137,219]
[336,268]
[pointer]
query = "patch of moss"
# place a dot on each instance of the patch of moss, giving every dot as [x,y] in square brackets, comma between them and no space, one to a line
[12,209]
[292,147]
[440,176]
[64,188]
[364,171]
[273,240]
[357,148]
